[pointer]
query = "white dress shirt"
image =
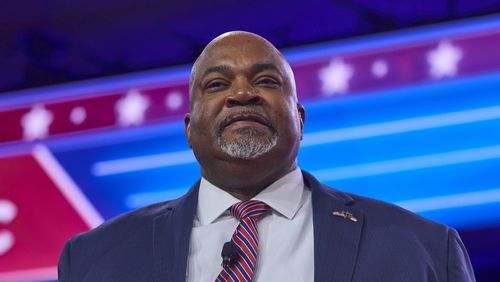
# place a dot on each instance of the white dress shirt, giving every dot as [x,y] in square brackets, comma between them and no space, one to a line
[286,244]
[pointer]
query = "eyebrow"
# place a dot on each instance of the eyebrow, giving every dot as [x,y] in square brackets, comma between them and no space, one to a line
[225,69]
[263,67]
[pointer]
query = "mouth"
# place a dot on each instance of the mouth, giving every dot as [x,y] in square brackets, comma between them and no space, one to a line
[246,119]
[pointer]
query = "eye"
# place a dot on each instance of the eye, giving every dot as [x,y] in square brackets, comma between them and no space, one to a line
[268,82]
[215,85]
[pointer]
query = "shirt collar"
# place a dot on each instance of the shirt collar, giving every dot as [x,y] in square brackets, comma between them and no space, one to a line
[283,196]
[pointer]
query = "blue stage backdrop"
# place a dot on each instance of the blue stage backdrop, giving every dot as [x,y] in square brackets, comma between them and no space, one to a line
[411,118]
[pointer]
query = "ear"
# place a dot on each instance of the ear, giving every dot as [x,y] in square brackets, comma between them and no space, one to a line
[302,116]
[187,127]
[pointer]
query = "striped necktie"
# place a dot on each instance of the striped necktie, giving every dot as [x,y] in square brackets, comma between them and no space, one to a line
[246,239]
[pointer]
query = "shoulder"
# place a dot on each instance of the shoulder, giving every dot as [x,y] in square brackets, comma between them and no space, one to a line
[375,213]
[136,225]
[139,222]
[111,244]
[121,243]
[411,242]
[128,223]
[380,212]
[394,232]
[133,226]
[382,215]
[108,243]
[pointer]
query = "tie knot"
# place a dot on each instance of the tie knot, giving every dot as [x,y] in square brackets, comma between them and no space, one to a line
[250,208]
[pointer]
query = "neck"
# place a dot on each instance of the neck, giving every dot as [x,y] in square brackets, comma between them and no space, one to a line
[246,179]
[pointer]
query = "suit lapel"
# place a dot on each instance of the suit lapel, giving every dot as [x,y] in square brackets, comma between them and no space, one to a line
[336,238]
[171,234]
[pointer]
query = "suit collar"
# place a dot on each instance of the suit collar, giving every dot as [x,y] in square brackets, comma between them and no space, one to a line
[336,238]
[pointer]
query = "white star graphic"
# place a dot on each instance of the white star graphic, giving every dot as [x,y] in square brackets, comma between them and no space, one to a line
[131,108]
[36,123]
[380,68]
[444,60]
[335,77]
[6,241]
[8,212]
[174,100]
[78,115]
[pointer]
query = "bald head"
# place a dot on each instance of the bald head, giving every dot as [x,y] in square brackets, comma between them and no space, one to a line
[234,43]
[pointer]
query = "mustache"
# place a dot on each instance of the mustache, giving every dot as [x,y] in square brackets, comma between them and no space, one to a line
[232,116]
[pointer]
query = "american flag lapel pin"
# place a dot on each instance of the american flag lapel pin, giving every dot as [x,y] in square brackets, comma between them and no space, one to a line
[345,215]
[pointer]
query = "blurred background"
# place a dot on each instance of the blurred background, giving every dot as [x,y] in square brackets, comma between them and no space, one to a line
[402,100]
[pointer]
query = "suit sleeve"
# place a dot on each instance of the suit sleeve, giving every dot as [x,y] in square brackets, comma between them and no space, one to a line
[459,265]
[63,268]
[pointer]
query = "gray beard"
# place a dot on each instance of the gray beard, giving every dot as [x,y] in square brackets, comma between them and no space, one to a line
[249,145]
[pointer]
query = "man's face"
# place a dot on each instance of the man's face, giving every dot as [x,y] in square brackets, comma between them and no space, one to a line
[243,104]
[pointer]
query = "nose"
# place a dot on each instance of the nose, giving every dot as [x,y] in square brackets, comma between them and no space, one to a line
[243,95]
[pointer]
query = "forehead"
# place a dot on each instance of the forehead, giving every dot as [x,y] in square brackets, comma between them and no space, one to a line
[240,52]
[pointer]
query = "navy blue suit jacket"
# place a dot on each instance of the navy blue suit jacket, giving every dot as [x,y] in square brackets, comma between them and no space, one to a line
[386,243]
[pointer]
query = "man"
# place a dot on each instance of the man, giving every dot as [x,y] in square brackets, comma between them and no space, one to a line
[245,127]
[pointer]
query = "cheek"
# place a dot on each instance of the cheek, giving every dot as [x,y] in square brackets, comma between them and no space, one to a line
[289,118]
[208,103]
[203,118]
